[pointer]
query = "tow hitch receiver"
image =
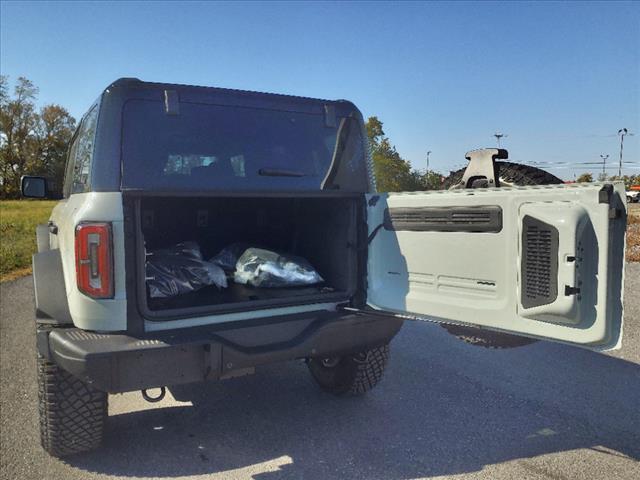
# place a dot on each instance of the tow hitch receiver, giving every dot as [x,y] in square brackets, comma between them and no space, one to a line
[150,399]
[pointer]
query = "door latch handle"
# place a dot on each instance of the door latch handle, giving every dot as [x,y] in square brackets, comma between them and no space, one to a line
[571,290]
[53,228]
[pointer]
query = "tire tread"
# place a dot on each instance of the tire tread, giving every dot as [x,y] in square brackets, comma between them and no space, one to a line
[515,173]
[72,413]
[355,375]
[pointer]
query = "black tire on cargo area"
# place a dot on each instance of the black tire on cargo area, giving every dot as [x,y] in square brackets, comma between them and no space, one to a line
[352,374]
[513,174]
[72,413]
[510,173]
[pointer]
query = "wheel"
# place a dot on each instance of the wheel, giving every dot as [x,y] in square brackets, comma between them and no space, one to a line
[72,414]
[352,374]
[508,174]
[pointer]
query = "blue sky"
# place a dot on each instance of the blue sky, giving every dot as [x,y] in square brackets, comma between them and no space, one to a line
[559,78]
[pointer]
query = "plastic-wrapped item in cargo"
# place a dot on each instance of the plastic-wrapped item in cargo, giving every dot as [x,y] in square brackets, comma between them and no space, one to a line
[228,256]
[179,270]
[264,268]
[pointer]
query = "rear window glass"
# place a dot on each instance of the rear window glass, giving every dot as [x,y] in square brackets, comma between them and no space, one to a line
[211,147]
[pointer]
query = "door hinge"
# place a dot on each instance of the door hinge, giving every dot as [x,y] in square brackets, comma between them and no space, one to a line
[404,316]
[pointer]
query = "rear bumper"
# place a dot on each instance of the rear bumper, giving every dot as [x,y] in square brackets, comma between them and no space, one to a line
[120,363]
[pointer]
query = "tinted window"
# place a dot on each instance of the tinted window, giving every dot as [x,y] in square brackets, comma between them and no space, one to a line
[77,176]
[209,147]
[71,157]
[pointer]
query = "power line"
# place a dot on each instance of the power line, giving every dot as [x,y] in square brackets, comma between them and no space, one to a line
[575,163]
[613,167]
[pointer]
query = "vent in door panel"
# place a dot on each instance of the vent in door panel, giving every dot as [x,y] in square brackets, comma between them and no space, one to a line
[444,219]
[539,267]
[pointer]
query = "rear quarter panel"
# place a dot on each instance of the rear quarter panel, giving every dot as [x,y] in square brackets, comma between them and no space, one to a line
[87,313]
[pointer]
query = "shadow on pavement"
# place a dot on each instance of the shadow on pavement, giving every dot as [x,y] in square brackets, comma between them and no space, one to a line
[444,408]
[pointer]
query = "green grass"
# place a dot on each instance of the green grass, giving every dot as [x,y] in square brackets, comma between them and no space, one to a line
[18,220]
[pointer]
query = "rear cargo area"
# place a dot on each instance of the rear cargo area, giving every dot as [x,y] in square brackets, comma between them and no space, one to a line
[324,231]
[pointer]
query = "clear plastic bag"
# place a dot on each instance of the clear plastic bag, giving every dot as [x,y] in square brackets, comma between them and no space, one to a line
[179,270]
[228,256]
[264,268]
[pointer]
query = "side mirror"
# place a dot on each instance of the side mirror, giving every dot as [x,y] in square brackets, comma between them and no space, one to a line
[33,187]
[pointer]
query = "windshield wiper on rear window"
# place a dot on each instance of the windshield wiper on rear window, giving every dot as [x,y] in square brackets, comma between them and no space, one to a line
[277,172]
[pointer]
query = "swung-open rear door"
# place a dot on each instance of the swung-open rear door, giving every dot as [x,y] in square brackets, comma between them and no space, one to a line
[542,261]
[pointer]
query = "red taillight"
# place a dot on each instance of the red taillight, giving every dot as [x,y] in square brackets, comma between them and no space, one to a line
[94,263]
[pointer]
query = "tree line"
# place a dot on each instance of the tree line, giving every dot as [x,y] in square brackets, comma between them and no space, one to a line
[393,173]
[32,141]
[603,177]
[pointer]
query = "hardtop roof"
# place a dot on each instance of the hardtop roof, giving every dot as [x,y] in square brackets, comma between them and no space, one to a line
[134,87]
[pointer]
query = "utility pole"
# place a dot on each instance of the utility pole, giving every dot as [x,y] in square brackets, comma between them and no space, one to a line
[622,132]
[427,176]
[498,136]
[604,163]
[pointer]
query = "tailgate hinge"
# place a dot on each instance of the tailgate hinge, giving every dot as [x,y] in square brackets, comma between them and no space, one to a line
[405,316]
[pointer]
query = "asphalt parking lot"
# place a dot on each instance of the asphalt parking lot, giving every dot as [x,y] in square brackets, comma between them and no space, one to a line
[444,409]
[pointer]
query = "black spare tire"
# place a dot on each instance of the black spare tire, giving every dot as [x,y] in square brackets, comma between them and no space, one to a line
[510,174]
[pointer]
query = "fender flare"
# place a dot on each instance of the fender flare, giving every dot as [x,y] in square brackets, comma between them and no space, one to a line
[42,237]
[49,288]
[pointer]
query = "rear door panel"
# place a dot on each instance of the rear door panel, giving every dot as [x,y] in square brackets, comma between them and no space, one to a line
[544,261]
